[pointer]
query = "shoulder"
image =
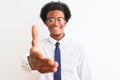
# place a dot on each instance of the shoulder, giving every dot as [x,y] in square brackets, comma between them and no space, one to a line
[74,43]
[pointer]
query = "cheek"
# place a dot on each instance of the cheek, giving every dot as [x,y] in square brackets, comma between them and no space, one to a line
[64,25]
[47,25]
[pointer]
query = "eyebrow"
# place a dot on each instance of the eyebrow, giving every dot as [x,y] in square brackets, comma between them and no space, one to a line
[50,17]
[55,18]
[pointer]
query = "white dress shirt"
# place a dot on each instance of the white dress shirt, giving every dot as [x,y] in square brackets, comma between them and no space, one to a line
[74,62]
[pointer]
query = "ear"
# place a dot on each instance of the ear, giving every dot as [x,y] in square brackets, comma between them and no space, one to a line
[46,23]
[65,22]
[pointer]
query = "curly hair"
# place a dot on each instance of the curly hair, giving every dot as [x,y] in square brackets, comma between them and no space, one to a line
[55,6]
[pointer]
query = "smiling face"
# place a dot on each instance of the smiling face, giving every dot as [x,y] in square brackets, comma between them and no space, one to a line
[56,23]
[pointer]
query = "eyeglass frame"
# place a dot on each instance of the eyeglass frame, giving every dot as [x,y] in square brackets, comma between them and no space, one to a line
[58,19]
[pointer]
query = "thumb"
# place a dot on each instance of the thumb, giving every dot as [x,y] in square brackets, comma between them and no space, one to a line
[35,38]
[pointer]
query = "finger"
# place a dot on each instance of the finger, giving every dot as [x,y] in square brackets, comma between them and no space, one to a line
[46,69]
[39,62]
[49,61]
[44,61]
[55,64]
[35,39]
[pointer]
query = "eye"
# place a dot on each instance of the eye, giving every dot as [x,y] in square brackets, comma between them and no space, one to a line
[61,19]
[51,20]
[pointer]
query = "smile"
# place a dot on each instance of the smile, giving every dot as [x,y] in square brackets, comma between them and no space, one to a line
[56,28]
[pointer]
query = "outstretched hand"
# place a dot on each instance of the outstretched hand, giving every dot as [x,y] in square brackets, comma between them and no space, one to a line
[37,59]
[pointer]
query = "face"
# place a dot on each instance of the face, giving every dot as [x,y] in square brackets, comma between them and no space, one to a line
[55,22]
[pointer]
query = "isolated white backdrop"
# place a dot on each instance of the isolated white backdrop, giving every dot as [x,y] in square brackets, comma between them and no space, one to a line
[94,23]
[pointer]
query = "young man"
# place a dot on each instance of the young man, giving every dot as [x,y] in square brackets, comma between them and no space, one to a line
[65,61]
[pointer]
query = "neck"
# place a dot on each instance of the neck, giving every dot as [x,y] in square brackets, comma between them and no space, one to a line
[57,37]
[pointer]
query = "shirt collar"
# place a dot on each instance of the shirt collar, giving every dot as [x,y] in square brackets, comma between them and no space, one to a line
[53,41]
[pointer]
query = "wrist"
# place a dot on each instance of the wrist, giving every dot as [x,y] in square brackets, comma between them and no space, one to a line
[30,64]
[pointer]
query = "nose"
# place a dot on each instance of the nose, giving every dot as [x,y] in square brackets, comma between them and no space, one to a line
[56,23]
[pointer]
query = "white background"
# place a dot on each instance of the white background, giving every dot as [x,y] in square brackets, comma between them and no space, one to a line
[94,23]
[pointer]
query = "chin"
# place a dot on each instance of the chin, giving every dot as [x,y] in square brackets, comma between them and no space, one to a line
[56,34]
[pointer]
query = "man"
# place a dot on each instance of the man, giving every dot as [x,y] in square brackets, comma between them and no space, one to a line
[71,62]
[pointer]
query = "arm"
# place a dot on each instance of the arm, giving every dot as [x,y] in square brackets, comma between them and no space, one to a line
[36,59]
[84,71]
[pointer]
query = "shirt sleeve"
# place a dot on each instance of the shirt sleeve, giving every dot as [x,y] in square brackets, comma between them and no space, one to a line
[25,64]
[84,71]
[26,67]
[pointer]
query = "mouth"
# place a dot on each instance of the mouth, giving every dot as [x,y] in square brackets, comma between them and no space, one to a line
[56,28]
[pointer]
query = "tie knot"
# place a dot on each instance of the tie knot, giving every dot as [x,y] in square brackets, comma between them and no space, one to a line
[57,44]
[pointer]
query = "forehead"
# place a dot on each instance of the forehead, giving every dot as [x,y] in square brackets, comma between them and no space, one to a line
[55,13]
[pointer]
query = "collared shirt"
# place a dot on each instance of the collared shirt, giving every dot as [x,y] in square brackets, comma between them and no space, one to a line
[74,62]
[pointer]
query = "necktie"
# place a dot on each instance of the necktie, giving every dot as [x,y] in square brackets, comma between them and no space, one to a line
[57,74]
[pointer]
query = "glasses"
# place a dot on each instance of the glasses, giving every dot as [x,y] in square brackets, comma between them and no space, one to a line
[52,20]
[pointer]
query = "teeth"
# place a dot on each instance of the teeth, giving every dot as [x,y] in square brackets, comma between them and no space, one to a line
[56,28]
